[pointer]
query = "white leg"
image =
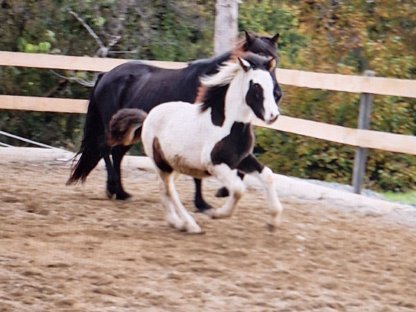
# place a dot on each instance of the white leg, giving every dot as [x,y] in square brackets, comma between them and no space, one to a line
[235,186]
[171,216]
[266,177]
[190,224]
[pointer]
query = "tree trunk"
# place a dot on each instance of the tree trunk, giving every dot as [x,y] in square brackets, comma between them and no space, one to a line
[226,25]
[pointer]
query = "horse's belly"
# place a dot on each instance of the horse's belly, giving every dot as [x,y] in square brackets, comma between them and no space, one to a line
[184,166]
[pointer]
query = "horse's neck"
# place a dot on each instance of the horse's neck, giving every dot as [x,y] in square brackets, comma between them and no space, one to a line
[236,108]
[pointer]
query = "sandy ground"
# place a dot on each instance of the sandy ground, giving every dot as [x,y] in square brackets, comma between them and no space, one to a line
[70,249]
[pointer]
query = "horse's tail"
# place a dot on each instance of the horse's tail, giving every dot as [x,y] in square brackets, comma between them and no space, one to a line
[126,126]
[90,146]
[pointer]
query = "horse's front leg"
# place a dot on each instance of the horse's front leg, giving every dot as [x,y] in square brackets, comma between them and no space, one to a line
[118,153]
[233,183]
[199,201]
[223,192]
[250,165]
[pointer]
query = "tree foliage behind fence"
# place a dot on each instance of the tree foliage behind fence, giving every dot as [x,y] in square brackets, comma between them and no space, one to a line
[326,36]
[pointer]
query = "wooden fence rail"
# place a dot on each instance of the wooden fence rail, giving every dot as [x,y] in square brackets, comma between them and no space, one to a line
[334,82]
[354,137]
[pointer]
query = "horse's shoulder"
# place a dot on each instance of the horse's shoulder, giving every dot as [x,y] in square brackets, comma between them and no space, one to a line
[235,146]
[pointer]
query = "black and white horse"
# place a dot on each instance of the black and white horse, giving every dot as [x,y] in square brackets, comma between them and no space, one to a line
[213,137]
[138,85]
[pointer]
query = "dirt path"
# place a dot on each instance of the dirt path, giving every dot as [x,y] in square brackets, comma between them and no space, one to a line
[70,249]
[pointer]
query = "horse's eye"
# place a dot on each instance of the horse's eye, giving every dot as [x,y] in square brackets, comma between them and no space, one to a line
[257,90]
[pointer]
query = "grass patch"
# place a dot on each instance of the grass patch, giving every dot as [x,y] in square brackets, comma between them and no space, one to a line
[406,198]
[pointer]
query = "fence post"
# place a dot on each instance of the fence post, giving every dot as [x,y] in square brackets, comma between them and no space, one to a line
[366,101]
[226,25]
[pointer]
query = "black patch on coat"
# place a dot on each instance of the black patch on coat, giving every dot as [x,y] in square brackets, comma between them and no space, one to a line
[159,158]
[255,99]
[214,98]
[235,146]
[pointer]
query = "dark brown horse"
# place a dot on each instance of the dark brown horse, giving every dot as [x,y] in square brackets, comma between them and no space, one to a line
[138,85]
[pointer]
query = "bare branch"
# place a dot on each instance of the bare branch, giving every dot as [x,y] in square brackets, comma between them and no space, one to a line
[89,29]
[122,52]
[114,41]
[80,81]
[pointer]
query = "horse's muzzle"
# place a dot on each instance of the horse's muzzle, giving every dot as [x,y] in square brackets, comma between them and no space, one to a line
[272,120]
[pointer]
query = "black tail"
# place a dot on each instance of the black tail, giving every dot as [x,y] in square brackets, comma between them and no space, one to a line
[94,136]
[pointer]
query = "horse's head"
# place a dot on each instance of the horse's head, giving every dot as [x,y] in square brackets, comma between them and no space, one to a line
[260,94]
[264,46]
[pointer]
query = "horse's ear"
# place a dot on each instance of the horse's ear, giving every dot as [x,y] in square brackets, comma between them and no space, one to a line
[275,38]
[271,64]
[249,38]
[245,65]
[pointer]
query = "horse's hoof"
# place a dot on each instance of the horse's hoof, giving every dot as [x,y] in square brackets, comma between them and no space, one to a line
[109,194]
[215,214]
[209,212]
[222,192]
[271,227]
[194,230]
[202,207]
[178,225]
[123,196]
[196,233]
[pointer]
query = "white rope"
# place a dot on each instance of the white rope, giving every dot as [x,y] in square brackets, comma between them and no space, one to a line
[5,145]
[26,140]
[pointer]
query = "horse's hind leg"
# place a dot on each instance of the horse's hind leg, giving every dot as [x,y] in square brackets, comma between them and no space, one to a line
[171,197]
[171,215]
[199,201]
[118,153]
[111,173]
[251,165]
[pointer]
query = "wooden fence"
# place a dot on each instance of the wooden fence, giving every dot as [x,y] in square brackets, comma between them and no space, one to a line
[360,138]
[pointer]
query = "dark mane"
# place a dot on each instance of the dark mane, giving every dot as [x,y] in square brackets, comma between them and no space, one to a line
[214,98]
[264,46]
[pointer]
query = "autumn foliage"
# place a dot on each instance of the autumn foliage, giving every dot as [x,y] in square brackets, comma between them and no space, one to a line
[335,36]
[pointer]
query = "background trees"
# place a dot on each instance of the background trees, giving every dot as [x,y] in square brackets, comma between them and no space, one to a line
[327,36]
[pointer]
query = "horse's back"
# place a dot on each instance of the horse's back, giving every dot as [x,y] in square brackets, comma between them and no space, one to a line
[173,118]
[139,85]
[179,127]
[114,90]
